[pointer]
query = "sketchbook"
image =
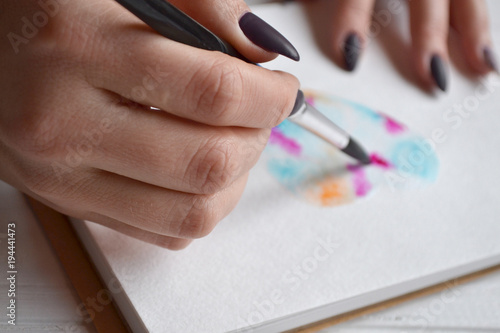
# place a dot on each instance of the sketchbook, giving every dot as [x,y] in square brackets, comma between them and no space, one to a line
[315,236]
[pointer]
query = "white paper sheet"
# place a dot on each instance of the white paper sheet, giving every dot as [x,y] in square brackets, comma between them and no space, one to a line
[278,262]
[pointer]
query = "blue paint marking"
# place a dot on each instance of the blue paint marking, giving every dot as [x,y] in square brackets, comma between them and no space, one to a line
[369,113]
[414,157]
[287,171]
[290,128]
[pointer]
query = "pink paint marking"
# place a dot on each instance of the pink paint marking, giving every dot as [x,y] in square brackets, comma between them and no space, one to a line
[287,144]
[361,184]
[310,100]
[392,126]
[380,161]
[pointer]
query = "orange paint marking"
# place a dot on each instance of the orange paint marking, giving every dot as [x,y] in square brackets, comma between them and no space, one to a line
[332,191]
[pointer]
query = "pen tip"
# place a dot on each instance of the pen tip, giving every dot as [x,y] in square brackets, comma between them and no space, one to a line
[354,150]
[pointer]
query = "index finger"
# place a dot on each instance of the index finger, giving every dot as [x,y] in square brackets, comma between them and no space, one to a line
[204,86]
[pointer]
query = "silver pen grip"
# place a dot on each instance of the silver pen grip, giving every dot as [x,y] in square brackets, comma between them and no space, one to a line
[307,117]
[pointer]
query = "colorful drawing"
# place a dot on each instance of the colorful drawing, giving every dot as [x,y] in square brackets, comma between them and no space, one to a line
[319,173]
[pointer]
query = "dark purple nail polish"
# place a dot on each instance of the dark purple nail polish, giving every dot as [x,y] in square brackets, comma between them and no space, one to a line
[352,50]
[438,71]
[490,59]
[263,35]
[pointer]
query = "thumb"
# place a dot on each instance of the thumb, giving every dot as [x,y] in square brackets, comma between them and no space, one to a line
[235,23]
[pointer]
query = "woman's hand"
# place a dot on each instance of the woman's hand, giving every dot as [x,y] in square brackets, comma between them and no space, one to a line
[77,133]
[430,23]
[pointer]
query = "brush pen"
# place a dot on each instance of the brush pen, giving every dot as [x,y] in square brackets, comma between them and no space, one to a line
[174,24]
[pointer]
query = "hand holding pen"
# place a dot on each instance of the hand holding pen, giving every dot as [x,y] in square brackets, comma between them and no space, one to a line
[76,134]
[174,24]
[79,137]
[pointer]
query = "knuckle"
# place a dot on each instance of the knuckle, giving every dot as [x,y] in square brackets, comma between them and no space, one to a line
[200,219]
[219,92]
[215,165]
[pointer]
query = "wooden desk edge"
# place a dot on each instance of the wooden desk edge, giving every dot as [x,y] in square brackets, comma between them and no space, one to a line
[80,270]
[314,327]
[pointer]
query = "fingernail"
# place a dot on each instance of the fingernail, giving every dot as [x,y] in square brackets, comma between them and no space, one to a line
[352,49]
[438,71]
[490,59]
[263,35]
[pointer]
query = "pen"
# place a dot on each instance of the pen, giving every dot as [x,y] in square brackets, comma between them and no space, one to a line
[174,24]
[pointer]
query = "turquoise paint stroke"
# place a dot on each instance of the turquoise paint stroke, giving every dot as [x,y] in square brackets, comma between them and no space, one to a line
[413,157]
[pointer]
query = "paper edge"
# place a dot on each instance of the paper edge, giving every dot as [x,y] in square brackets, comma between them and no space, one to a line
[295,320]
[326,311]
[122,301]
